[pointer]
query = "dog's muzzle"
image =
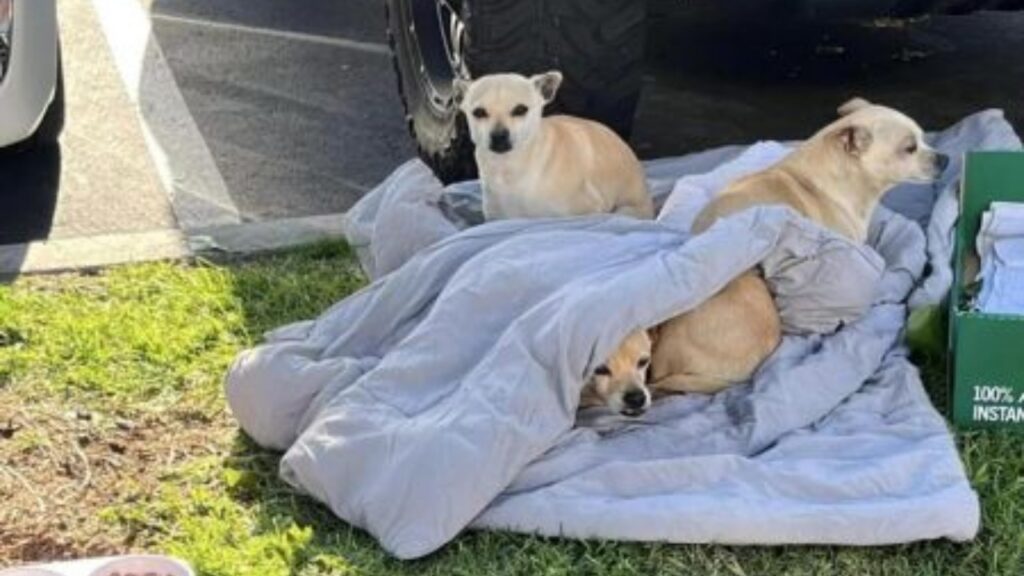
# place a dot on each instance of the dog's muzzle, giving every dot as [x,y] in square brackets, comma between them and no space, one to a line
[501,141]
[634,402]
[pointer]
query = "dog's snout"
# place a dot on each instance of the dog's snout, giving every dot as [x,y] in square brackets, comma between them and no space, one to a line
[941,162]
[501,140]
[634,399]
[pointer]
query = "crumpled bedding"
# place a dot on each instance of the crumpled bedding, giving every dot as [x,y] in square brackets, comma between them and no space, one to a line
[444,395]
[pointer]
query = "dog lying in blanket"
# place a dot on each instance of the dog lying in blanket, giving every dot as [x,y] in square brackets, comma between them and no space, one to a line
[836,178]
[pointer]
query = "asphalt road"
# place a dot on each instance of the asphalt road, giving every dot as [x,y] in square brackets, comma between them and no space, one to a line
[296,100]
[735,81]
[297,125]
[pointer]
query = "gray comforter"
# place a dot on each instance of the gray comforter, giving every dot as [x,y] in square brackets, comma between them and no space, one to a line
[444,395]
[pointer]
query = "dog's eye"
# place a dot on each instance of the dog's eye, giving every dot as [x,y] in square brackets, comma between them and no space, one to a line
[602,370]
[479,113]
[643,362]
[911,149]
[520,110]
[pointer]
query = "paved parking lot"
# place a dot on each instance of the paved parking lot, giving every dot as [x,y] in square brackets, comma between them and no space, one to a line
[298,105]
[258,110]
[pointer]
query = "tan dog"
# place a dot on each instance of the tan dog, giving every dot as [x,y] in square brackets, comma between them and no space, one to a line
[533,167]
[621,382]
[836,178]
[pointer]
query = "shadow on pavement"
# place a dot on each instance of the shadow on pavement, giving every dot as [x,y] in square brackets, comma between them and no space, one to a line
[29,184]
[734,79]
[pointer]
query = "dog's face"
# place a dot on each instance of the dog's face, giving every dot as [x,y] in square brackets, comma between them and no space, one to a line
[504,111]
[621,382]
[887,145]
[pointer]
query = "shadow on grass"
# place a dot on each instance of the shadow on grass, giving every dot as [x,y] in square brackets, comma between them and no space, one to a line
[271,291]
[255,484]
[292,286]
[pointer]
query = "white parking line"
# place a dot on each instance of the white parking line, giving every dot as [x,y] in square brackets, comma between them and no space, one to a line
[370,47]
[189,175]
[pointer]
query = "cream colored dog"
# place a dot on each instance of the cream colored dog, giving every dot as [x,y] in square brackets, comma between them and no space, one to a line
[531,166]
[836,178]
[621,382]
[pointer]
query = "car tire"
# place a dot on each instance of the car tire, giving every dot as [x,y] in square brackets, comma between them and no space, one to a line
[52,124]
[598,45]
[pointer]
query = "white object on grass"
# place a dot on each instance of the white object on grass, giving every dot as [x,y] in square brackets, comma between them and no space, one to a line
[30,571]
[108,566]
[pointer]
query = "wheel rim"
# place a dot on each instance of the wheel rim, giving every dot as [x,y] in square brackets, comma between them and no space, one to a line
[438,31]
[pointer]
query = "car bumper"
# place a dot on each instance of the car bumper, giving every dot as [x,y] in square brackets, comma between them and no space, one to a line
[28,86]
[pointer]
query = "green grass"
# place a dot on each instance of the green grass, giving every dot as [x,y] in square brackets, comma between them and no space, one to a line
[157,332]
[159,337]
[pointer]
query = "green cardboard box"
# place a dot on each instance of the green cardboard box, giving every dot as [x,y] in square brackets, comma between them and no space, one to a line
[987,350]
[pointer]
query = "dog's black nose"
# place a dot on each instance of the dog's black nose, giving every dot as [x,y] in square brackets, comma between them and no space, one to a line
[941,162]
[500,141]
[634,399]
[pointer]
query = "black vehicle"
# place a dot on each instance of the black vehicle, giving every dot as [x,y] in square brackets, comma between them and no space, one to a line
[598,45]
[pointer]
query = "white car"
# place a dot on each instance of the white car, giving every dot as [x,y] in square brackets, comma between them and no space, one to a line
[31,84]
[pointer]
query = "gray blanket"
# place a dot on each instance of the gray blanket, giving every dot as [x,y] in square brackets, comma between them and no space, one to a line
[444,395]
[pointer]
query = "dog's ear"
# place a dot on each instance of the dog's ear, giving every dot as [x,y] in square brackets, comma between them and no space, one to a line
[460,87]
[547,84]
[852,106]
[854,139]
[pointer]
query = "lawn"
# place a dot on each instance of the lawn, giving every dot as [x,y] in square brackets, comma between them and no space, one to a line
[114,437]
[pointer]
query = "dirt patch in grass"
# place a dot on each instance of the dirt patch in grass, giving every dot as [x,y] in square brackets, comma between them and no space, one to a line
[113,426]
[61,468]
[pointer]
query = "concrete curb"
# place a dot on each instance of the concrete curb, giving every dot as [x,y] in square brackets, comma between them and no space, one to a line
[91,252]
[268,235]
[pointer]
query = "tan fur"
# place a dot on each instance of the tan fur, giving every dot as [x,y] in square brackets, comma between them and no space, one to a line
[627,371]
[720,342]
[836,179]
[557,166]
